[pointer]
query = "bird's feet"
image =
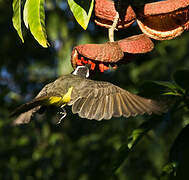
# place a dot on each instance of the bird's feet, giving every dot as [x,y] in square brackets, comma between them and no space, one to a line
[63,114]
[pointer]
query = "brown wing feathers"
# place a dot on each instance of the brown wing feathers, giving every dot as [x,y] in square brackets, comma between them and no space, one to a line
[92,100]
[103,100]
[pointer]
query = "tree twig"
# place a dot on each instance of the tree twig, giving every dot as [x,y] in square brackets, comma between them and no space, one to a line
[113,27]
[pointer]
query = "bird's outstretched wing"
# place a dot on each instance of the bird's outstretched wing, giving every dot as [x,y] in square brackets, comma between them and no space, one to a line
[90,99]
[102,100]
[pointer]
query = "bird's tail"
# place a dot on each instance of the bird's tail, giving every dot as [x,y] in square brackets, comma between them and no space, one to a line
[27,110]
[29,106]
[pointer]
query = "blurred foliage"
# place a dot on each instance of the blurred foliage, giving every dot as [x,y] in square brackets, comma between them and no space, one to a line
[142,147]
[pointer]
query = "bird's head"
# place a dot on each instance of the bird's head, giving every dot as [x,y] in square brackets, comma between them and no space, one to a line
[82,71]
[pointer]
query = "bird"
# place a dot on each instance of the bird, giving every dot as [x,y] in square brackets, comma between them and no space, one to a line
[89,98]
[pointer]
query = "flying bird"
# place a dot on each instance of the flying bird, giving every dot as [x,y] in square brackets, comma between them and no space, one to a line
[90,99]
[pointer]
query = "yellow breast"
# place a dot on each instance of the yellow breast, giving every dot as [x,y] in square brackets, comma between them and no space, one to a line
[59,101]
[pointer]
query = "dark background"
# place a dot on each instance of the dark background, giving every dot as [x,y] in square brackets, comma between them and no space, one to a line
[78,148]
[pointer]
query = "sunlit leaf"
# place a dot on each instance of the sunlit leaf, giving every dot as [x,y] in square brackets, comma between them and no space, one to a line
[172,94]
[34,18]
[181,77]
[82,11]
[16,19]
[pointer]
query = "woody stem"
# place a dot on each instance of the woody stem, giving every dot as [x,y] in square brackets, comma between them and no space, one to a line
[113,27]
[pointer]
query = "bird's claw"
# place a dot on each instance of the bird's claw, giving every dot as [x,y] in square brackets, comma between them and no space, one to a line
[63,114]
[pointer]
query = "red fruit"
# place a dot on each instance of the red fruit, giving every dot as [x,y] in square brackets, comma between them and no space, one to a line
[136,44]
[164,20]
[107,52]
[105,13]
[110,52]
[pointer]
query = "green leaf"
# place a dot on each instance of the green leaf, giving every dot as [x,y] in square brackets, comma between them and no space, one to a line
[123,153]
[178,157]
[165,84]
[82,11]
[157,88]
[168,171]
[16,19]
[181,77]
[34,18]
[138,133]
[180,144]
[182,169]
[172,94]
